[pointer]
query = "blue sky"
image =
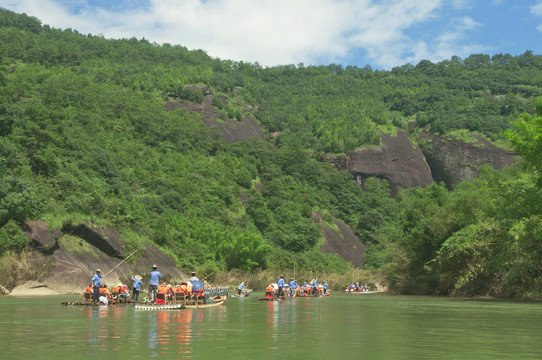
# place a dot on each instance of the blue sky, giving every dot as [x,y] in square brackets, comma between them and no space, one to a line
[379,33]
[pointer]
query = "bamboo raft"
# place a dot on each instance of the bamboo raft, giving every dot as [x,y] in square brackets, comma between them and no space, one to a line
[178,306]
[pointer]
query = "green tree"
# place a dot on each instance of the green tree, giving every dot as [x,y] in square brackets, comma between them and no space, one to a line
[526,138]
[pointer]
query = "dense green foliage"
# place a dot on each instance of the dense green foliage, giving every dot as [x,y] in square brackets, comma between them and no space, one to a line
[84,135]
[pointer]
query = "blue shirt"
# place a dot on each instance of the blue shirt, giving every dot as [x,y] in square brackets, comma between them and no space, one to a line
[96,279]
[155,278]
[137,283]
[280,282]
[241,287]
[325,285]
[293,285]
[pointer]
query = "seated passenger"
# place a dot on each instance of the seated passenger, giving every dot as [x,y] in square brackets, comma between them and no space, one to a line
[270,291]
[104,291]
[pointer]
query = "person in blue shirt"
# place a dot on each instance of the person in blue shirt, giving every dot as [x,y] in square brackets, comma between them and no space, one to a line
[325,287]
[280,284]
[154,282]
[96,280]
[314,282]
[293,287]
[240,289]
[137,282]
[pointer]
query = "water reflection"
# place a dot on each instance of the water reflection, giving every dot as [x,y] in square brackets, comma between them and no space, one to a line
[165,331]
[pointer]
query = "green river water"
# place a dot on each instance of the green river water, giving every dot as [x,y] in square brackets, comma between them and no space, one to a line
[364,326]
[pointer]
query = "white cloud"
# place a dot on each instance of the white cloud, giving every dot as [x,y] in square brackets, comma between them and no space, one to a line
[536,9]
[271,32]
[461,4]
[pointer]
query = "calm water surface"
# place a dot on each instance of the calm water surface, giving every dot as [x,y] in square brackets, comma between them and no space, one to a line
[348,326]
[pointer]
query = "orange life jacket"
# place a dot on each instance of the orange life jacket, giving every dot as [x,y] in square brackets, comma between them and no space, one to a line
[182,288]
[116,289]
[162,289]
[189,289]
[89,289]
[270,288]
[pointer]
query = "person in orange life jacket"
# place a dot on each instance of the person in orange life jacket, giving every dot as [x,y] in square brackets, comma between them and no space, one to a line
[270,291]
[96,279]
[170,292]
[117,288]
[162,289]
[182,288]
[124,292]
[103,291]
[89,289]
[136,287]
[154,282]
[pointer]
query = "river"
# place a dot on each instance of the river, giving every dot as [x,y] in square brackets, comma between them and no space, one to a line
[363,326]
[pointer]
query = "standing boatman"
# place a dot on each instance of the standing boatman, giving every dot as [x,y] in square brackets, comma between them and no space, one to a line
[280,284]
[136,287]
[96,279]
[240,289]
[154,282]
[194,277]
[293,287]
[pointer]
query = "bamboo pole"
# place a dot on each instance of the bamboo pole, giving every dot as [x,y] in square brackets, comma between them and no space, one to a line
[109,272]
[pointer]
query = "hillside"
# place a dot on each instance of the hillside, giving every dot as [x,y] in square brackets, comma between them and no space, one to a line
[223,164]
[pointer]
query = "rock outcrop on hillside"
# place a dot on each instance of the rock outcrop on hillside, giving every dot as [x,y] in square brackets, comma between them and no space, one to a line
[398,161]
[453,160]
[77,251]
[340,240]
[232,130]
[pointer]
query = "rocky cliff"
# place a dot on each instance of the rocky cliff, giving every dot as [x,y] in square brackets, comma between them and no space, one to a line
[403,164]
[78,250]
[397,160]
[339,239]
[453,159]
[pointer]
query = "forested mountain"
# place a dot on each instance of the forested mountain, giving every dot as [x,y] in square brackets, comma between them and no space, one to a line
[85,136]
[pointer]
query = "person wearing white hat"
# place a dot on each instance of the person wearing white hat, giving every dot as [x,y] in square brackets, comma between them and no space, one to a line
[136,287]
[96,279]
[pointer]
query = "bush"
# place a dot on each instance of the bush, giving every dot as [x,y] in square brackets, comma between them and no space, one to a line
[191,94]
[11,237]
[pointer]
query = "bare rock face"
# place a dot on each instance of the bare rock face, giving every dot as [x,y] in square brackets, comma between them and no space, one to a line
[398,161]
[232,130]
[341,241]
[40,238]
[453,160]
[106,239]
[79,250]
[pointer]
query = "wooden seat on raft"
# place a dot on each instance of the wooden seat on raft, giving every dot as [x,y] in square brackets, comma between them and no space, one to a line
[88,296]
[161,296]
[180,296]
